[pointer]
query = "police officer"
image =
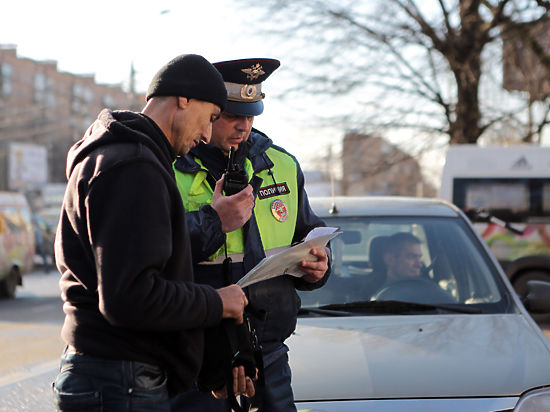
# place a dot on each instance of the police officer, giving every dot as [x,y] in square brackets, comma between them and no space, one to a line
[269,214]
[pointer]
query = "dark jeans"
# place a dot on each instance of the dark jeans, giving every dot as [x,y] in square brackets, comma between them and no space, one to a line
[89,384]
[275,396]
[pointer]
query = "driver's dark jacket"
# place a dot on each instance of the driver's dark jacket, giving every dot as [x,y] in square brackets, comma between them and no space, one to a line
[122,248]
[273,303]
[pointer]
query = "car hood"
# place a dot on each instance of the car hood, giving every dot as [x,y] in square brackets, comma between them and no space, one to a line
[389,357]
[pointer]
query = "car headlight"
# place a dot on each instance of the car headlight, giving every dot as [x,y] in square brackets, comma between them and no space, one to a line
[534,401]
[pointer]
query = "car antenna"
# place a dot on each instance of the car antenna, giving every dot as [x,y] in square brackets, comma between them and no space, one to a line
[333,209]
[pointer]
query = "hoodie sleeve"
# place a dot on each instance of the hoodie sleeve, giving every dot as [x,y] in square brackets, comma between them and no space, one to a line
[130,211]
[205,231]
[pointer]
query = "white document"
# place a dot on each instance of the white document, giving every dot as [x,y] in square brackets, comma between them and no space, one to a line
[287,261]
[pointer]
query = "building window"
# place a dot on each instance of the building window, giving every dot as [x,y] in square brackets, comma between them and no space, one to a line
[108,101]
[81,97]
[77,99]
[5,80]
[39,87]
[44,90]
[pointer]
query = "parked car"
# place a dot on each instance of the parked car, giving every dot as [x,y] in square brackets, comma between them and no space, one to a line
[16,242]
[44,237]
[454,336]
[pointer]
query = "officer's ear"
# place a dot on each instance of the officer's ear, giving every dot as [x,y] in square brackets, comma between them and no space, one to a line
[183,102]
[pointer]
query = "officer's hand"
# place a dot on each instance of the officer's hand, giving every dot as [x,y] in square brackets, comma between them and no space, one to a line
[234,300]
[235,210]
[315,270]
[242,385]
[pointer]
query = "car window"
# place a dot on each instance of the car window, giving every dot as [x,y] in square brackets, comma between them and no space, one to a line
[13,218]
[426,260]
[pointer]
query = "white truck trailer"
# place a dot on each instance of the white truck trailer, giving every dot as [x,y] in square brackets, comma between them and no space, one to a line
[496,185]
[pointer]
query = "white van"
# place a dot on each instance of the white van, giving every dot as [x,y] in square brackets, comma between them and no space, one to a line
[510,186]
[16,242]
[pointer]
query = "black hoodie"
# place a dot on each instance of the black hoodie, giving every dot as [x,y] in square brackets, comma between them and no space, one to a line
[123,251]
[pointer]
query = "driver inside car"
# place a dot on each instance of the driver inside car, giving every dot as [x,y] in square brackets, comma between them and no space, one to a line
[393,258]
[404,276]
[403,256]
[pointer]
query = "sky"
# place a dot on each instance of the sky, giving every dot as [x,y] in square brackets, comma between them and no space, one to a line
[105,38]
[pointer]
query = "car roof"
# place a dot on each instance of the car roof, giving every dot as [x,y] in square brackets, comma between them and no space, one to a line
[381,206]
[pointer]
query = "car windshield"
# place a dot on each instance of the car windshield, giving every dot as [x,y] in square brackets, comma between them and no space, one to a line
[407,265]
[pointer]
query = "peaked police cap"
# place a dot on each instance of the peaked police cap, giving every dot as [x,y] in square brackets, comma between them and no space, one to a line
[243,80]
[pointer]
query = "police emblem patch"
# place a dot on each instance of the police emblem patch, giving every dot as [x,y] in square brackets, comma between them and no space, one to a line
[248,91]
[279,210]
[255,71]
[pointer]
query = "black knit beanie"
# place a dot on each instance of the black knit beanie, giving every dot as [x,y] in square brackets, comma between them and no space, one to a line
[191,76]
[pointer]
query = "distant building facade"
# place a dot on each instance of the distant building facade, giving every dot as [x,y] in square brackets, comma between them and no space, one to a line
[523,68]
[318,184]
[373,166]
[42,106]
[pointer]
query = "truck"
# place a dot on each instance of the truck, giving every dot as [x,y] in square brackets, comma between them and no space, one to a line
[506,193]
[17,242]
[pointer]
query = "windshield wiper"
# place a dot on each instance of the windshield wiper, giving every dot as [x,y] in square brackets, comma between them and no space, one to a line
[322,311]
[395,306]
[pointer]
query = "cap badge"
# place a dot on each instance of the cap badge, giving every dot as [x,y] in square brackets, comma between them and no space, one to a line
[248,91]
[279,210]
[254,71]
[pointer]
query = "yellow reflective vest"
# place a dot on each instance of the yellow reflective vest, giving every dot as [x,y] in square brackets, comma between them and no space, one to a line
[276,205]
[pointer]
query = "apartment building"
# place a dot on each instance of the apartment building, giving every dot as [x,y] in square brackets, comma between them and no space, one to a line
[373,166]
[44,107]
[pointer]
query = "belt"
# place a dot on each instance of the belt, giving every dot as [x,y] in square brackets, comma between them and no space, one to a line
[144,375]
[235,258]
[238,257]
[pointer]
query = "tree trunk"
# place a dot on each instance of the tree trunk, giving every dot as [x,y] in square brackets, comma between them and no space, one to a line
[466,127]
[465,62]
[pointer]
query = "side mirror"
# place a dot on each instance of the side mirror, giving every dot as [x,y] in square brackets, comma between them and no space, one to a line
[537,297]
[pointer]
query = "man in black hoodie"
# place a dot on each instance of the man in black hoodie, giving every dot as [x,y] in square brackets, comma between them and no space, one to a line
[134,319]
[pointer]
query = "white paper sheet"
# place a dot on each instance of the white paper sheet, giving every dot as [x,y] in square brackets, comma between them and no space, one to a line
[287,261]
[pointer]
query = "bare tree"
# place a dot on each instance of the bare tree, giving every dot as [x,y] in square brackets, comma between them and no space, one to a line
[428,66]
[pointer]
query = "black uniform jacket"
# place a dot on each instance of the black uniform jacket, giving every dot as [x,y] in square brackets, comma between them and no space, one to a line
[122,248]
[274,303]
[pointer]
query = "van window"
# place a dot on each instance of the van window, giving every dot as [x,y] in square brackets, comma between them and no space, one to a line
[510,199]
[546,198]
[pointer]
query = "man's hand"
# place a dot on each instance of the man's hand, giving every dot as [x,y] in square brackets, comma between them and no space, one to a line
[315,270]
[234,300]
[235,210]
[242,385]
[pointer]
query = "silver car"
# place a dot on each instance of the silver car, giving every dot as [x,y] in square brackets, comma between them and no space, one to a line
[451,335]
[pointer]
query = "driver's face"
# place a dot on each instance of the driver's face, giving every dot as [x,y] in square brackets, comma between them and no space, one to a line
[407,262]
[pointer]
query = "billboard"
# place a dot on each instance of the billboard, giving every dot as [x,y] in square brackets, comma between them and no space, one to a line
[27,166]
